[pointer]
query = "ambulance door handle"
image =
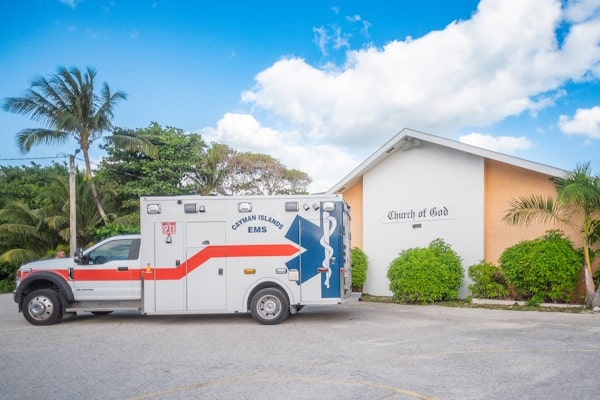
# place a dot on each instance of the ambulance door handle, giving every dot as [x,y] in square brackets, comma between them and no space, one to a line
[206,242]
[122,268]
[220,271]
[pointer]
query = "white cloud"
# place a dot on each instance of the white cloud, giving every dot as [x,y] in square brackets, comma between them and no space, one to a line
[326,164]
[504,61]
[500,63]
[581,10]
[358,19]
[321,39]
[585,122]
[354,18]
[501,144]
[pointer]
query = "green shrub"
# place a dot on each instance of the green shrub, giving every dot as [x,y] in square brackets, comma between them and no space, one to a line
[426,275]
[488,281]
[360,264]
[543,269]
[7,285]
[7,277]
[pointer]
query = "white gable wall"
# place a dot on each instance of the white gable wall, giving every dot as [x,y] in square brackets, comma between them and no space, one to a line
[403,190]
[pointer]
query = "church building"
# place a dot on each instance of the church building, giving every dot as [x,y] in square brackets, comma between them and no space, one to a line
[419,187]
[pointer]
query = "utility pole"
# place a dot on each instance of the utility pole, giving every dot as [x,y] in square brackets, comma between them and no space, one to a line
[72,206]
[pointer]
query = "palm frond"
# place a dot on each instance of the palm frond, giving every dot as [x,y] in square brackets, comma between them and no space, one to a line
[19,256]
[27,138]
[528,209]
[36,106]
[579,187]
[133,144]
[18,229]
[52,93]
[102,119]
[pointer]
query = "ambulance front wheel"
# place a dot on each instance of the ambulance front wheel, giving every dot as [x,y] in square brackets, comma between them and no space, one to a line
[42,307]
[269,306]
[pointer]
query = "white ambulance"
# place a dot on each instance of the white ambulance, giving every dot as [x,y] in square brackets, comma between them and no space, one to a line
[270,255]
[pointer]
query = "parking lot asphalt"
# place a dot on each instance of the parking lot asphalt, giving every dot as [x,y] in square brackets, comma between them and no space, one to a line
[356,350]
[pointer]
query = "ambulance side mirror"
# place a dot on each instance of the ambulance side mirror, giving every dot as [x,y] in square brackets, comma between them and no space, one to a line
[78,256]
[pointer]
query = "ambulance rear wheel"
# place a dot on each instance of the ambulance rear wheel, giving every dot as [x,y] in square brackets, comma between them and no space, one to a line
[42,307]
[269,306]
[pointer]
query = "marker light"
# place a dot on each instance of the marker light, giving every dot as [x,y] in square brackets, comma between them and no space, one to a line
[153,208]
[190,208]
[329,206]
[245,207]
[292,206]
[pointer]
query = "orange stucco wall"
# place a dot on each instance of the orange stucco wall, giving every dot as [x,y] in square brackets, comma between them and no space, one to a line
[354,198]
[504,182]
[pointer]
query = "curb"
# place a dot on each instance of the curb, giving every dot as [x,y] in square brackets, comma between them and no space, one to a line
[522,303]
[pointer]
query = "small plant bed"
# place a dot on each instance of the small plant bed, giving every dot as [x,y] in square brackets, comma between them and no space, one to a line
[491,305]
[514,305]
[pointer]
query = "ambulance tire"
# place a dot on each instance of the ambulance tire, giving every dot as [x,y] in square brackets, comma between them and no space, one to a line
[269,306]
[42,307]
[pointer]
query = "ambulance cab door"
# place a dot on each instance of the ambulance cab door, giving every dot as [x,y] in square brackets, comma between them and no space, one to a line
[108,270]
[206,266]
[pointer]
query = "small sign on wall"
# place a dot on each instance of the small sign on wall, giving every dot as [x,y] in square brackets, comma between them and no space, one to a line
[435,213]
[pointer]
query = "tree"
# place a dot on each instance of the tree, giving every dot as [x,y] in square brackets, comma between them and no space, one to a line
[185,164]
[34,214]
[55,198]
[66,105]
[577,201]
[174,171]
[24,231]
[261,174]
[216,167]
[23,183]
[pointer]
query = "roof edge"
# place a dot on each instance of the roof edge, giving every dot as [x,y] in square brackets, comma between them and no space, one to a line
[403,138]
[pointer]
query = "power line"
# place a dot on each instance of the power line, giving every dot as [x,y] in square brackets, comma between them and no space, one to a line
[33,158]
[65,156]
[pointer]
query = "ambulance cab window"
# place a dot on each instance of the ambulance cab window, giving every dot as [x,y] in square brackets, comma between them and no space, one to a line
[116,250]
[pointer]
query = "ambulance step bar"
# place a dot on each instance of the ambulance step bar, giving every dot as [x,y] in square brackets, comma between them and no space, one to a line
[105,305]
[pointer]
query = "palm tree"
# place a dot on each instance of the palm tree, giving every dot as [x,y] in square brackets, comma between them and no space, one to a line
[25,233]
[68,107]
[55,197]
[577,201]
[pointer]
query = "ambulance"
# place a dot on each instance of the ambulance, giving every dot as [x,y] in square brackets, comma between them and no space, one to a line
[266,255]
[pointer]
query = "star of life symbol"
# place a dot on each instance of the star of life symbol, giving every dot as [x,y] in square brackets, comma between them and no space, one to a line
[329,224]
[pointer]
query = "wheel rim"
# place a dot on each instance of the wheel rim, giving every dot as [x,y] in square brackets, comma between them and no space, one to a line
[40,308]
[268,307]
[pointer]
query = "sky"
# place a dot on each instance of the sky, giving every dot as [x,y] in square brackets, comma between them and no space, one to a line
[322,84]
